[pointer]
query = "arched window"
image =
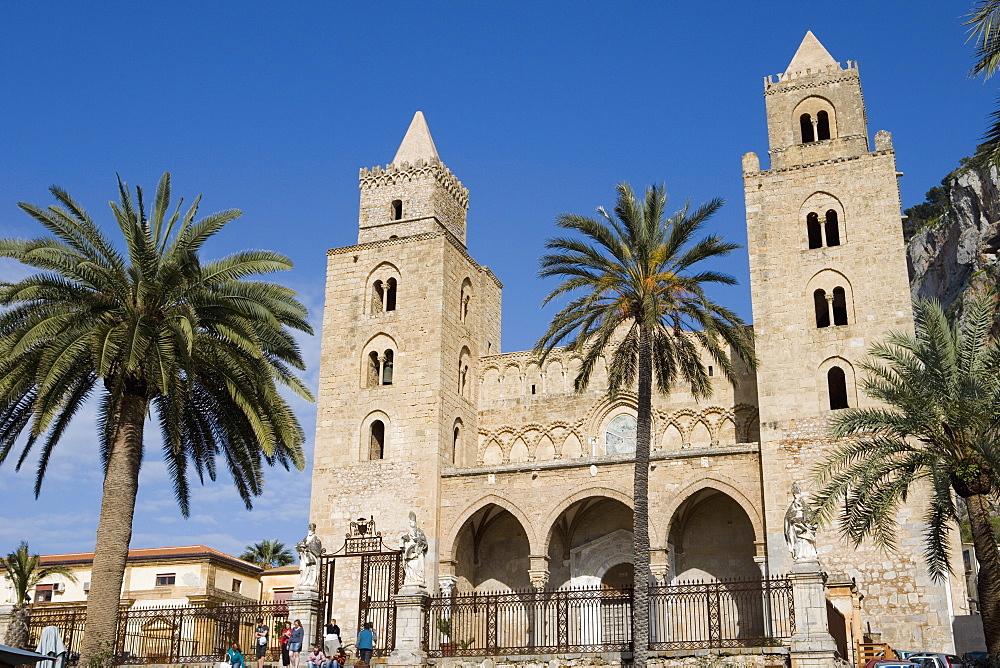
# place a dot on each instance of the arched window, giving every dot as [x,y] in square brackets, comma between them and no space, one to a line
[387,368]
[397,209]
[619,437]
[832,228]
[806,125]
[822,125]
[822,308]
[378,297]
[464,297]
[836,383]
[815,231]
[390,295]
[373,369]
[456,441]
[463,370]
[376,441]
[839,306]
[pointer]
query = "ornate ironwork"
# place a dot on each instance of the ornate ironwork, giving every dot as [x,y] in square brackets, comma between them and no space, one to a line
[380,579]
[182,634]
[697,615]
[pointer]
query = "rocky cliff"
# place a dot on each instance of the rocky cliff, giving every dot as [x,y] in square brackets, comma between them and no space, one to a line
[957,249]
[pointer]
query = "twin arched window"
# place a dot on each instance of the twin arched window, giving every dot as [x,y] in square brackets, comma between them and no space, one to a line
[814,128]
[834,304]
[463,371]
[380,368]
[465,296]
[828,230]
[383,295]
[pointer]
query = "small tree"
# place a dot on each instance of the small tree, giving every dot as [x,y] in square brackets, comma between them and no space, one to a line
[939,426]
[268,554]
[24,571]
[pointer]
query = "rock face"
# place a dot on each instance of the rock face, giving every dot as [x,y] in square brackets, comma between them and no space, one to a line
[958,255]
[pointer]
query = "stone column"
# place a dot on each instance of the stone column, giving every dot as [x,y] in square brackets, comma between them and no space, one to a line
[411,603]
[304,606]
[538,570]
[659,565]
[812,646]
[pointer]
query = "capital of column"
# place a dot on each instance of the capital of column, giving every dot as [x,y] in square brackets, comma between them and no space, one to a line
[447,584]
[659,565]
[538,570]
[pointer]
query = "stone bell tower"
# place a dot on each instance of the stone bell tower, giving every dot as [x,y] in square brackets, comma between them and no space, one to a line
[408,313]
[829,280]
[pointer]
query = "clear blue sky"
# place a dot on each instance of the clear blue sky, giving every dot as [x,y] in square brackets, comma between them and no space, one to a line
[538,107]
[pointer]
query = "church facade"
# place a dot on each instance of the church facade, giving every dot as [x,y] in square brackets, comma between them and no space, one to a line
[518,481]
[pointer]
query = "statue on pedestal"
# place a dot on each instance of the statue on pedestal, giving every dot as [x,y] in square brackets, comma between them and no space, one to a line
[310,549]
[800,527]
[413,543]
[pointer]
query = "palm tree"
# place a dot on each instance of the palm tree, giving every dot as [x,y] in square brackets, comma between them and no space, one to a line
[984,31]
[155,328]
[268,554]
[939,427]
[638,296]
[24,570]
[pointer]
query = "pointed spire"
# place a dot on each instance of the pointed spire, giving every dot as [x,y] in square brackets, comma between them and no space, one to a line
[811,56]
[417,143]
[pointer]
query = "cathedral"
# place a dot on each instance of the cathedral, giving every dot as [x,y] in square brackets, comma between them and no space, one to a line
[519,482]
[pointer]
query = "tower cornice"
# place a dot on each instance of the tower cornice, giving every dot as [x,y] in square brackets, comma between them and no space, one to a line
[393,174]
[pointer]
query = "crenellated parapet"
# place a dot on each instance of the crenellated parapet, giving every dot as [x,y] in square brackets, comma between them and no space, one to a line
[405,172]
[811,77]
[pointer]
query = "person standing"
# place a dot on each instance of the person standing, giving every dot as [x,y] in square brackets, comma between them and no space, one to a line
[262,635]
[366,643]
[332,638]
[295,642]
[286,637]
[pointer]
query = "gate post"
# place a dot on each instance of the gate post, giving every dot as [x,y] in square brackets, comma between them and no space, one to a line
[304,605]
[411,604]
[812,646]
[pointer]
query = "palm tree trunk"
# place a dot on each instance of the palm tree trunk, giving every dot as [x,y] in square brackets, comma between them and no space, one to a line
[114,530]
[17,629]
[989,569]
[640,521]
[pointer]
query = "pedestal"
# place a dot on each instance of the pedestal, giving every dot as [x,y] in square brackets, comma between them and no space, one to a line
[410,604]
[812,646]
[304,606]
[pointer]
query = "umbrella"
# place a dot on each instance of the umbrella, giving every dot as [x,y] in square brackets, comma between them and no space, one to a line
[51,645]
[11,656]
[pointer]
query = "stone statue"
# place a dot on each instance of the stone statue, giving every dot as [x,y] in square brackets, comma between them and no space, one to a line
[414,546]
[310,548]
[800,527]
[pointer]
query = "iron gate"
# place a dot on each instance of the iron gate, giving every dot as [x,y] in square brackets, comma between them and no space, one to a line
[381,576]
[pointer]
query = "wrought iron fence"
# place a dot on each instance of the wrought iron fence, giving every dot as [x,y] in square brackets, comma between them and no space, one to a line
[185,634]
[719,614]
[692,615]
[529,622]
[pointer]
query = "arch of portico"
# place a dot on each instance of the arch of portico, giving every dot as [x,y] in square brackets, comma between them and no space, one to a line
[719,483]
[450,538]
[714,532]
[487,548]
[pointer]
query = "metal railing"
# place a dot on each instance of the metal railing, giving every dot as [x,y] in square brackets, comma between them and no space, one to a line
[720,614]
[183,634]
[691,615]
